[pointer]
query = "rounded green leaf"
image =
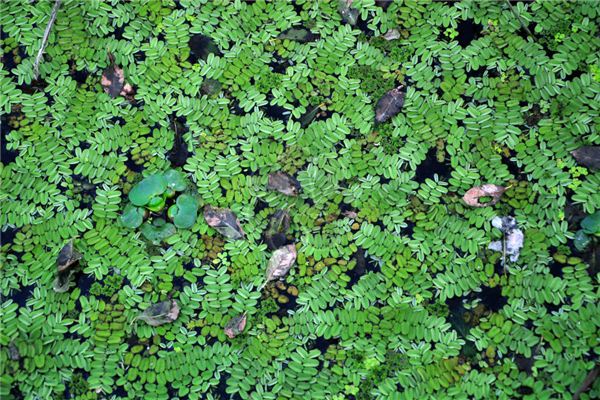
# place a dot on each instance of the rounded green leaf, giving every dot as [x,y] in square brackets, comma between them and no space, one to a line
[591,223]
[156,203]
[158,230]
[185,211]
[581,240]
[132,216]
[147,188]
[175,180]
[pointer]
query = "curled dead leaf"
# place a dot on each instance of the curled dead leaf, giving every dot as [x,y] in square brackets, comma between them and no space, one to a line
[473,195]
[235,326]
[224,221]
[283,183]
[392,34]
[588,156]
[113,80]
[67,257]
[66,262]
[390,104]
[280,262]
[160,313]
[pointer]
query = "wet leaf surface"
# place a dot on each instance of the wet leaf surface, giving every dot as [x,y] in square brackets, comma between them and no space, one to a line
[390,104]
[224,221]
[160,313]
[235,326]
[473,195]
[283,183]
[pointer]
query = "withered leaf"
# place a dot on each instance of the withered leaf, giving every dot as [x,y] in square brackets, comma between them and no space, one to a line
[113,80]
[390,104]
[160,313]
[588,156]
[67,257]
[13,351]
[63,280]
[283,183]
[224,221]
[349,15]
[235,326]
[280,262]
[279,223]
[473,195]
[301,35]
[513,237]
[392,34]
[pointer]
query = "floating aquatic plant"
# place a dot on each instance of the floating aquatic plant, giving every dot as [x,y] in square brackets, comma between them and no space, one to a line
[375,118]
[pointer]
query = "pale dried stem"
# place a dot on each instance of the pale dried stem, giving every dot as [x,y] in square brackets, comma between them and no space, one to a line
[38,58]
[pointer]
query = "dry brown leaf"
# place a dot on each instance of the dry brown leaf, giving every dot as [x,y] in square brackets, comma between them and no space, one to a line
[113,80]
[280,262]
[67,257]
[235,326]
[473,195]
[224,221]
[392,34]
[283,183]
[160,313]
[588,156]
[390,104]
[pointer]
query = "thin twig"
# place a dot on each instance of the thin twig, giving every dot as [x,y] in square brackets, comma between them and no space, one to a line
[523,25]
[504,253]
[587,382]
[38,58]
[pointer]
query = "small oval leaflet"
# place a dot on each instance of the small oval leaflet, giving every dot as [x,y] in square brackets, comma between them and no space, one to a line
[224,221]
[390,104]
[160,313]
[473,195]
[588,156]
[283,183]
[235,326]
[280,262]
